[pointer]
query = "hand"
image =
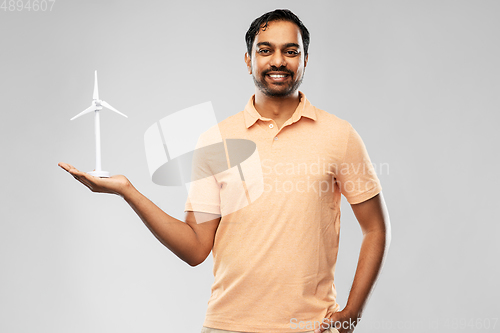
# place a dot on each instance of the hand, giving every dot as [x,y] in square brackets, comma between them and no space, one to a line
[117,184]
[343,321]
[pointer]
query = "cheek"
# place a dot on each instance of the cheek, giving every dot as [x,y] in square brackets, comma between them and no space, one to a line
[258,65]
[300,68]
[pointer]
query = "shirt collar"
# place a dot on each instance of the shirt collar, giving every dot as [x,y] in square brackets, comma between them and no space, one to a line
[303,109]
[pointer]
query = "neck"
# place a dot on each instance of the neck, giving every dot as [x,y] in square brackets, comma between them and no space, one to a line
[276,108]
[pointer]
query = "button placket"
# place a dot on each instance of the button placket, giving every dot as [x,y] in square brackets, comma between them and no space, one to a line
[271,126]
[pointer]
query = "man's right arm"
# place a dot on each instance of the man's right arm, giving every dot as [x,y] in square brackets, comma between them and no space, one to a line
[191,241]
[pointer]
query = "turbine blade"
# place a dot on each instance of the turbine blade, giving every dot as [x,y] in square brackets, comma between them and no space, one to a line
[87,110]
[96,89]
[107,106]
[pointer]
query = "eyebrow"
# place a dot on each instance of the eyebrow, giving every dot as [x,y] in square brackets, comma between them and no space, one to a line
[285,45]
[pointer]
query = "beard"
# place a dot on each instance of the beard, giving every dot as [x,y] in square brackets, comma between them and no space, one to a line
[282,89]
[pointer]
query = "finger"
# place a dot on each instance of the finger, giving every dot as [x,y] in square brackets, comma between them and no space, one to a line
[83,176]
[325,324]
[88,184]
[320,329]
[85,179]
[77,173]
[68,167]
[65,166]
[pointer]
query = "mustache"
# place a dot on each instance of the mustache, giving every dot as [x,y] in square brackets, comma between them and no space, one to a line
[276,69]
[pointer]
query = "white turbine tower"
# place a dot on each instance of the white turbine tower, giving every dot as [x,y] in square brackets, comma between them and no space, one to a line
[96,106]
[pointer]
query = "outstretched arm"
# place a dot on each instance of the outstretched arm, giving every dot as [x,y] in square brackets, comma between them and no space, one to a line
[373,218]
[191,241]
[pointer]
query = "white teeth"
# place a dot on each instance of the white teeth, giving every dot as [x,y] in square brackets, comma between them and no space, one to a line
[276,75]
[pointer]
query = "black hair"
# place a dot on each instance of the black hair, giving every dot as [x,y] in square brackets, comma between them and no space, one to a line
[275,15]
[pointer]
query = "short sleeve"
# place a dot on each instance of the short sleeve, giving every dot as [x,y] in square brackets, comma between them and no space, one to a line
[204,190]
[356,177]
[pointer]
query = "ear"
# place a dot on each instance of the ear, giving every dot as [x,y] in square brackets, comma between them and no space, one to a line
[248,61]
[305,60]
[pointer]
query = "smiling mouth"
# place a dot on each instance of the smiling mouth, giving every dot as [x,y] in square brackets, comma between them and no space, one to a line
[278,77]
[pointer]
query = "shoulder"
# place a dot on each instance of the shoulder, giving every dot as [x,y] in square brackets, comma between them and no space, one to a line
[332,122]
[235,119]
[233,126]
[228,126]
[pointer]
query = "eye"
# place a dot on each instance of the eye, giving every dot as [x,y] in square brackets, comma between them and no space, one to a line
[292,52]
[264,51]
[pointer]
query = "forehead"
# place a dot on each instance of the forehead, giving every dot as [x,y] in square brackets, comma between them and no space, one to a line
[278,33]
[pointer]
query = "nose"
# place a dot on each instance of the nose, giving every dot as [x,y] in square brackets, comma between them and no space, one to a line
[277,59]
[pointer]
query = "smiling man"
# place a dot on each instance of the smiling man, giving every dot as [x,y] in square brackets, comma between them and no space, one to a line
[274,259]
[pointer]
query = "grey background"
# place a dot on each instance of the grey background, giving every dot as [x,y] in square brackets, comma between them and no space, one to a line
[419,80]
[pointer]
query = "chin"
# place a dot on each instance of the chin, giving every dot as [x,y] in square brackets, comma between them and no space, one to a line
[279,93]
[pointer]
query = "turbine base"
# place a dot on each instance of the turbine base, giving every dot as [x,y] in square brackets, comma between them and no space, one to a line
[102,174]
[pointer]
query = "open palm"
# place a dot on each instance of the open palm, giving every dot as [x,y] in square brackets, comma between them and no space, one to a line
[115,184]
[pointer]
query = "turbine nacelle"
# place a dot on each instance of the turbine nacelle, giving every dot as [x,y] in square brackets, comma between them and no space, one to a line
[97,104]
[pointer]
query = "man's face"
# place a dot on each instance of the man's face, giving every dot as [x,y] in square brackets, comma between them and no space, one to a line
[277,63]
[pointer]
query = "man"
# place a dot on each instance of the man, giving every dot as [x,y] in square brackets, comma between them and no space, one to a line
[274,258]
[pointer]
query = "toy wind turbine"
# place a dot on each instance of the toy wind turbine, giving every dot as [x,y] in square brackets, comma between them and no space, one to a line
[96,106]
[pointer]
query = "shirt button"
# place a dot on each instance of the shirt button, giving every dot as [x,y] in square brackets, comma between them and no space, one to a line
[275,138]
[271,125]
